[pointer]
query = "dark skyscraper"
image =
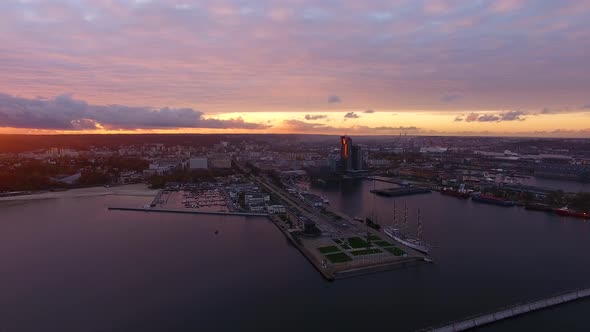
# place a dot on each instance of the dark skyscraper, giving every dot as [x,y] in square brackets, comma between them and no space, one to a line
[345,153]
[351,156]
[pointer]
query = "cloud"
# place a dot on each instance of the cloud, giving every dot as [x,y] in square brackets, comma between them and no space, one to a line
[66,113]
[450,97]
[400,128]
[315,117]
[586,107]
[264,55]
[334,99]
[298,125]
[488,118]
[472,117]
[351,115]
[369,111]
[302,126]
[513,116]
[491,117]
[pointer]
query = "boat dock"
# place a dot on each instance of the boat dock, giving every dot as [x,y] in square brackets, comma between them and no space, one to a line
[512,311]
[401,191]
[388,180]
[185,211]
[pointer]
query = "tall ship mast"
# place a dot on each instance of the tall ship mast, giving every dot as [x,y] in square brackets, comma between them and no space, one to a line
[400,234]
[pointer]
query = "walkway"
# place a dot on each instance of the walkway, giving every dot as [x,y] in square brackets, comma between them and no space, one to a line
[512,311]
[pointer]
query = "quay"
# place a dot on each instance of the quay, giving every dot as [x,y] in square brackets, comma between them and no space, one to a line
[401,191]
[311,247]
[388,180]
[185,211]
[512,311]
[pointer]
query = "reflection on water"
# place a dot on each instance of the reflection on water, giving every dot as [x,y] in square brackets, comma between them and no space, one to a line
[72,265]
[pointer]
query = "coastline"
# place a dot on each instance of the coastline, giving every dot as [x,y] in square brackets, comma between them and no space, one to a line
[125,190]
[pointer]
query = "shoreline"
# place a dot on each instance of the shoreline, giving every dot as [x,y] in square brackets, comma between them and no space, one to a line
[124,190]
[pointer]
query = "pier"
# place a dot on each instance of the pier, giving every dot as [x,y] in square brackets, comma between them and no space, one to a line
[401,191]
[512,311]
[388,180]
[185,211]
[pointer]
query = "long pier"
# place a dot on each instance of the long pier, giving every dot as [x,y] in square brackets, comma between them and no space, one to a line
[402,191]
[137,209]
[512,311]
[388,180]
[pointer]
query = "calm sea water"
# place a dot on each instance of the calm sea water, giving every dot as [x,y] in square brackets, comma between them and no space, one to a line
[72,265]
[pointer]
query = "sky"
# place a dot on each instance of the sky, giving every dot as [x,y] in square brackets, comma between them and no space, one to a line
[438,67]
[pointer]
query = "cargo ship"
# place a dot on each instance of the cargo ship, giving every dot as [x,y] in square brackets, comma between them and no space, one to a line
[491,199]
[460,193]
[538,207]
[565,211]
[401,237]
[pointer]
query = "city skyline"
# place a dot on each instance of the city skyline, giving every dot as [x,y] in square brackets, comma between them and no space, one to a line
[499,68]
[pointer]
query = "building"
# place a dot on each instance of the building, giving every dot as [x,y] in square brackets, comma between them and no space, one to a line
[345,153]
[274,209]
[220,162]
[198,163]
[352,157]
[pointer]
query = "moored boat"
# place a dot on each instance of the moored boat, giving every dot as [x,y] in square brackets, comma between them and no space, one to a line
[400,236]
[491,199]
[454,193]
[565,211]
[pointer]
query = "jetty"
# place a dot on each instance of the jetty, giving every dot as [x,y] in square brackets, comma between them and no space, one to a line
[388,180]
[185,211]
[512,311]
[401,191]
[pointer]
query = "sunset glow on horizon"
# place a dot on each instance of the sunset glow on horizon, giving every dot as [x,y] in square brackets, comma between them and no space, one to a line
[439,67]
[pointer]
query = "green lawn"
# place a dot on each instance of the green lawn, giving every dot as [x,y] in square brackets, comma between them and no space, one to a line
[365,252]
[338,258]
[396,251]
[328,249]
[374,238]
[383,243]
[357,242]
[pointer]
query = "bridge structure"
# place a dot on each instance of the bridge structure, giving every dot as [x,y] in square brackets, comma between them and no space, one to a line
[511,311]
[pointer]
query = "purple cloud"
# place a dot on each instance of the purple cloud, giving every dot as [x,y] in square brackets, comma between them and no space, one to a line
[351,115]
[408,55]
[451,97]
[315,117]
[334,99]
[66,113]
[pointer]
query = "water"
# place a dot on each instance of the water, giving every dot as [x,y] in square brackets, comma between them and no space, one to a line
[567,186]
[72,265]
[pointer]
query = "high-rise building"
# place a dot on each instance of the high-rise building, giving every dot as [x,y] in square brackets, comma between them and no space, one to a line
[345,152]
[352,157]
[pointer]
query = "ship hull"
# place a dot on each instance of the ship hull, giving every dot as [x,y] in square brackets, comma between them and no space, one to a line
[416,246]
[568,213]
[492,200]
[454,193]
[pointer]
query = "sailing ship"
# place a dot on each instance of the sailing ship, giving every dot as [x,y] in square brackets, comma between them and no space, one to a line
[403,237]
